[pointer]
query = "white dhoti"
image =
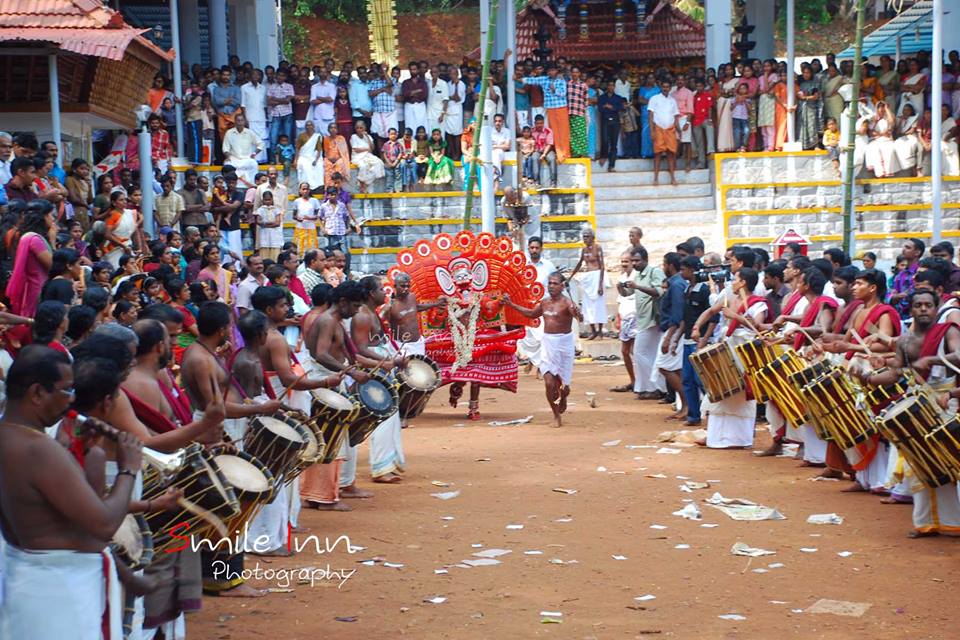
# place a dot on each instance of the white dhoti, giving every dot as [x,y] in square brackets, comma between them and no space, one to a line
[381,123]
[669,361]
[882,157]
[645,347]
[937,509]
[386,447]
[348,470]
[415,115]
[260,128]
[557,353]
[814,449]
[592,304]
[874,477]
[246,167]
[898,481]
[531,346]
[416,348]
[684,135]
[58,594]
[731,422]
[267,531]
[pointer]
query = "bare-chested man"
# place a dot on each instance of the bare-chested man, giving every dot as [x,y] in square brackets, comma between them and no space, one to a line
[934,510]
[55,524]
[402,316]
[371,341]
[591,278]
[558,313]
[324,484]
[206,379]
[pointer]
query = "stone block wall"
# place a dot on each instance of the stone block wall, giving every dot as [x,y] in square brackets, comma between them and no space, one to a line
[808,192]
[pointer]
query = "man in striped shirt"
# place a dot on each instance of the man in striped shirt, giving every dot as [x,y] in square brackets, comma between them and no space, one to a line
[577,108]
[555,100]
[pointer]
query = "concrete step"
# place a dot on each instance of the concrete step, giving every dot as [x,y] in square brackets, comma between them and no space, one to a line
[651,204]
[624,192]
[640,164]
[623,176]
[660,219]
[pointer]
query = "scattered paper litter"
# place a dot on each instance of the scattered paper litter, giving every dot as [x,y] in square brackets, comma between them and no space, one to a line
[492,553]
[564,520]
[668,450]
[641,446]
[514,527]
[732,616]
[446,517]
[569,492]
[657,526]
[808,549]
[446,495]
[845,554]
[440,483]
[619,557]
[645,598]
[435,600]
[480,562]
[742,549]
[440,571]
[682,546]
[533,552]
[777,602]
[601,469]
[825,518]
[476,545]
[393,565]
[823,479]
[741,509]
[612,443]
[761,570]
[551,617]
[684,488]
[690,484]
[510,423]
[839,607]
[659,476]
[776,565]
[458,424]
[709,526]
[690,512]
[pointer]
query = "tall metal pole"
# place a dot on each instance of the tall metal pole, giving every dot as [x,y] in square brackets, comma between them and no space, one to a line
[511,66]
[791,75]
[54,74]
[146,180]
[177,79]
[936,130]
[849,143]
[491,13]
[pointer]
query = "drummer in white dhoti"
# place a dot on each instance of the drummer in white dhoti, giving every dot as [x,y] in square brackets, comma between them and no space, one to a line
[731,421]
[592,281]
[241,146]
[59,578]
[366,330]
[931,349]
[284,378]
[558,350]
[529,346]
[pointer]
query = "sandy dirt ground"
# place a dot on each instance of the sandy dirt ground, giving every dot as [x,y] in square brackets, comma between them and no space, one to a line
[507,476]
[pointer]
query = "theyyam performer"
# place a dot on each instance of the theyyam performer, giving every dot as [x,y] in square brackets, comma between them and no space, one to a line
[467,336]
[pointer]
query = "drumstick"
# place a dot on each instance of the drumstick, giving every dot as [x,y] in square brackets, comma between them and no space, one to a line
[293,384]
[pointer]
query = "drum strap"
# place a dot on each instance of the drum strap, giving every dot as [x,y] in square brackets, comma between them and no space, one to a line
[178,400]
[933,338]
[153,419]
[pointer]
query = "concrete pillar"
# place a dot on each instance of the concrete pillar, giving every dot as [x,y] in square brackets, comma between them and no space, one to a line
[54,78]
[232,29]
[218,32]
[718,31]
[760,13]
[177,72]
[242,17]
[951,27]
[267,45]
[189,30]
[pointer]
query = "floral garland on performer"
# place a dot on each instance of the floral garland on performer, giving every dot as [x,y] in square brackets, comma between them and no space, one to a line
[463,335]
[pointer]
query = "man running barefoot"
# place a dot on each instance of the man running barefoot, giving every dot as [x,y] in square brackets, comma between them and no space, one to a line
[558,313]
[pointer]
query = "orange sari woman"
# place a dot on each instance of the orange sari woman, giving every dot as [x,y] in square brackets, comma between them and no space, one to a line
[780,115]
[336,156]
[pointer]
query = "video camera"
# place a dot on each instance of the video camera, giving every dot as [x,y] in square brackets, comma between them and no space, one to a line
[719,274]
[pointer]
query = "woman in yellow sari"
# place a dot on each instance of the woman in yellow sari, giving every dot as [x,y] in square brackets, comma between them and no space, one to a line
[336,156]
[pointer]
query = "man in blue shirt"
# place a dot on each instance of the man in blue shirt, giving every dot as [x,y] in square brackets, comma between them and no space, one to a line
[610,106]
[670,355]
[50,147]
[359,93]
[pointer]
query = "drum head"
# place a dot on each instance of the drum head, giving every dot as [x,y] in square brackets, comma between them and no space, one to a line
[376,396]
[128,539]
[281,428]
[242,474]
[419,375]
[332,398]
[909,404]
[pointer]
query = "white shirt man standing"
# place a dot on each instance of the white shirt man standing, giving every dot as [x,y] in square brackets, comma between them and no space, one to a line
[663,115]
[241,147]
[322,95]
[253,98]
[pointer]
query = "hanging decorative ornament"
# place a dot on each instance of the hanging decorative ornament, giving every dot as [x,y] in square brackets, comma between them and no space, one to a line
[584,27]
[618,29]
[562,19]
[641,16]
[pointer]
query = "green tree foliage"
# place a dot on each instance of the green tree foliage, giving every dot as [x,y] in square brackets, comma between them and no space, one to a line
[356,10]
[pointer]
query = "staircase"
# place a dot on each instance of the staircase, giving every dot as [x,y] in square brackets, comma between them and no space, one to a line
[667,215]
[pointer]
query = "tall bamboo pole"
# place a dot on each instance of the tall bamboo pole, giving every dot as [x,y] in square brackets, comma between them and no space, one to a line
[849,143]
[480,106]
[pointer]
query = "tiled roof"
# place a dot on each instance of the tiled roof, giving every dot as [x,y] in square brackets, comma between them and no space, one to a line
[669,33]
[86,27]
